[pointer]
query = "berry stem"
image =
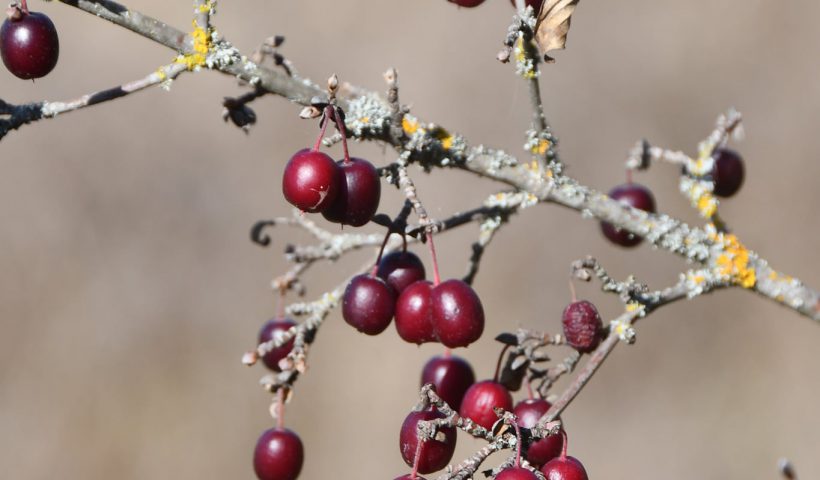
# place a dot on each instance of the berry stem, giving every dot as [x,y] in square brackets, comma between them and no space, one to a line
[572,291]
[323,126]
[530,394]
[436,276]
[629,176]
[498,363]
[517,445]
[280,304]
[381,250]
[341,127]
[416,459]
[564,447]
[280,409]
[24,6]
[448,353]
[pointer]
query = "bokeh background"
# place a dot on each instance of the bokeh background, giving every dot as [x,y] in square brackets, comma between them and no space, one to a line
[129,289]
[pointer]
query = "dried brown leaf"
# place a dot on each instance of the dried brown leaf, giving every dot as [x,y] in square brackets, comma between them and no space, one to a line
[553,24]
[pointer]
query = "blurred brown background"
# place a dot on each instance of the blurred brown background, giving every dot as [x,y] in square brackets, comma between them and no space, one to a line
[129,289]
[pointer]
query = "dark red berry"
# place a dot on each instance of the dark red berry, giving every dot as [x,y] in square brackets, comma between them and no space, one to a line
[564,468]
[467,3]
[359,193]
[436,452]
[535,4]
[414,313]
[270,330]
[481,398]
[634,195]
[368,304]
[728,172]
[514,473]
[311,180]
[582,326]
[451,376]
[458,317]
[278,455]
[544,450]
[400,269]
[29,45]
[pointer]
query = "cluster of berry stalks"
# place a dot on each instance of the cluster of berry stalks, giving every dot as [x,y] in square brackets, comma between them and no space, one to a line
[279,453]
[727,176]
[28,42]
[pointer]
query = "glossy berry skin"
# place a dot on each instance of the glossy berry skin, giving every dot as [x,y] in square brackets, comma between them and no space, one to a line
[367,304]
[414,313]
[542,451]
[435,453]
[634,195]
[582,326]
[400,269]
[564,468]
[29,45]
[278,456]
[467,3]
[480,399]
[516,474]
[535,4]
[728,172]
[359,192]
[269,330]
[458,317]
[311,181]
[451,376]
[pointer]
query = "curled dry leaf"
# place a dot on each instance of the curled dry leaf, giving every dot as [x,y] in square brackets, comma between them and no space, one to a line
[553,24]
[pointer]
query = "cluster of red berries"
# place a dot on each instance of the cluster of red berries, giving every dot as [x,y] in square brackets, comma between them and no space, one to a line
[279,452]
[454,382]
[28,42]
[727,175]
[346,192]
[449,312]
[535,4]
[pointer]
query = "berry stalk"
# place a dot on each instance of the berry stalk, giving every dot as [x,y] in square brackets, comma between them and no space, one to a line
[436,276]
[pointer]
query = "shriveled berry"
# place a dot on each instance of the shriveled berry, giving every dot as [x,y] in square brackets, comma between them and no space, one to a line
[458,317]
[481,399]
[514,473]
[451,376]
[278,455]
[634,195]
[367,304]
[564,468]
[359,192]
[728,172]
[435,453]
[311,180]
[543,450]
[29,45]
[414,314]
[400,269]
[273,329]
[582,326]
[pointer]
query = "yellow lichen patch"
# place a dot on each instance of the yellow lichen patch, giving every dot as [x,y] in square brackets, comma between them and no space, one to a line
[707,205]
[202,45]
[409,124]
[161,74]
[444,137]
[206,7]
[734,261]
[541,147]
[365,119]
[519,52]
